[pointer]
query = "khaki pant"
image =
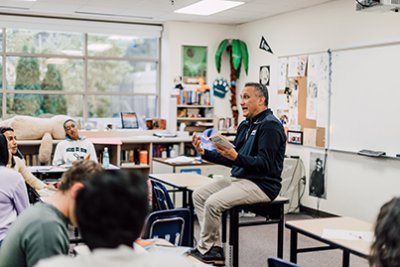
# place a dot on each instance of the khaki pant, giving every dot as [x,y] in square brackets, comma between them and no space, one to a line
[211,200]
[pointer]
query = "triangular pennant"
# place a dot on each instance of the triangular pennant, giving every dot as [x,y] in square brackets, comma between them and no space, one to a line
[264,45]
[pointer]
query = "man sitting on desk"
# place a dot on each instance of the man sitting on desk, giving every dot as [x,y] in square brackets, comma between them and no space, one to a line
[256,161]
[73,147]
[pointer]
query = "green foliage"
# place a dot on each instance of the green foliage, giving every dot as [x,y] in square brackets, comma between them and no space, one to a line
[53,104]
[239,55]
[28,78]
[220,51]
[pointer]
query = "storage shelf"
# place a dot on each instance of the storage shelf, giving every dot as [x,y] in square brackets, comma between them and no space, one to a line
[194,119]
[195,106]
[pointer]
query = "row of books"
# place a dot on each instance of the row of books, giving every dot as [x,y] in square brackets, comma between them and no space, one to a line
[137,156]
[165,150]
[188,97]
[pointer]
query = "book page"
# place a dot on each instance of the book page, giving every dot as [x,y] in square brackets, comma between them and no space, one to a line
[219,139]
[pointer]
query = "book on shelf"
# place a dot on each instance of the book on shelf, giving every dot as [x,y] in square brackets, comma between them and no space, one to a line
[189,97]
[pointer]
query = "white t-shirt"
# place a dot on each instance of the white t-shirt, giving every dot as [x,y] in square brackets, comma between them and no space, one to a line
[70,150]
[123,256]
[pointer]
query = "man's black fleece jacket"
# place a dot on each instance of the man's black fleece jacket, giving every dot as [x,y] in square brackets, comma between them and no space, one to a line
[260,143]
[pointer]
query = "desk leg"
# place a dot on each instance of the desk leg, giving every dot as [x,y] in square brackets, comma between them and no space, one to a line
[223,227]
[346,258]
[234,237]
[293,246]
[280,233]
[184,198]
[191,208]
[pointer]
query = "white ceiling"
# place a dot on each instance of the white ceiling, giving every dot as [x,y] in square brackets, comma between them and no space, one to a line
[152,11]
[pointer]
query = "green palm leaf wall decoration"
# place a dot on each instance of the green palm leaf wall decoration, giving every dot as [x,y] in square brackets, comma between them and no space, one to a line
[238,56]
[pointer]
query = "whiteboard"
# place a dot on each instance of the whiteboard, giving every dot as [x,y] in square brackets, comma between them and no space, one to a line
[365,99]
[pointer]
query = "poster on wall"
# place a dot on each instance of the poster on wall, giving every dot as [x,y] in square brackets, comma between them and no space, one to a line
[317,184]
[194,63]
[264,75]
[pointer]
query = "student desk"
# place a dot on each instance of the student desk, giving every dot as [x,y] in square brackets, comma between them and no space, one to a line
[203,167]
[185,182]
[44,172]
[314,228]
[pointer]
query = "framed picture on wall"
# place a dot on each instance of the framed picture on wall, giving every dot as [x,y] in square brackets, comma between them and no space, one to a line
[295,137]
[129,120]
[194,63]
[264,75]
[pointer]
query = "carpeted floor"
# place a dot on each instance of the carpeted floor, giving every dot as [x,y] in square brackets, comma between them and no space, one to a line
[257,243]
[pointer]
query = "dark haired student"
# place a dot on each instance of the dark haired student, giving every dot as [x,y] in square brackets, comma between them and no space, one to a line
[18,164]
[256,162]
[111,210]
[13,194]
[41,230]
[74,147]
[385,249]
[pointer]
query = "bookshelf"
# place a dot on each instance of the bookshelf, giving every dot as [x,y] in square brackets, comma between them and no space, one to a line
[132,146]
[195,110]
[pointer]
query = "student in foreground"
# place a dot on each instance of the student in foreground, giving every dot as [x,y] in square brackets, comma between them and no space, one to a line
[111,210]
[74,147]
[41,230]
[13,194]
[385,249]
[256,162]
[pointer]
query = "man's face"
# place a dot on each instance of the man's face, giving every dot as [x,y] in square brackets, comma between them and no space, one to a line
[71,130]
[251,102]
[12,142]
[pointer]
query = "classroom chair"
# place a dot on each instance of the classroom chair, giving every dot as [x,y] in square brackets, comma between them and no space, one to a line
[173,225]
[276,262]
[196,170]
[161,198]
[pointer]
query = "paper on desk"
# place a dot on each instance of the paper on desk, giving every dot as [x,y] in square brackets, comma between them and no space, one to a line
[348,235]
[180,159]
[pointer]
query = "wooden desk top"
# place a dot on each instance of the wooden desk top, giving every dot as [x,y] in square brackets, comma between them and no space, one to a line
[316,227]
[189,180]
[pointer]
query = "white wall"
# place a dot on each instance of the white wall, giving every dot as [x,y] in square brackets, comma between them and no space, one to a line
[177,34]
[357,186]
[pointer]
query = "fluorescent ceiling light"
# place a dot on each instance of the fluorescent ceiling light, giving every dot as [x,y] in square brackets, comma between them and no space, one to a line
[208,7]
[26,0]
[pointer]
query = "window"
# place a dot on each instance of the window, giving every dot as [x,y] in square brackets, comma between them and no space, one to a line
[93,76]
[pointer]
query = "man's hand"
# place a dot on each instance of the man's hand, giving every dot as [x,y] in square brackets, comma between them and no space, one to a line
[229,153]
[196,142]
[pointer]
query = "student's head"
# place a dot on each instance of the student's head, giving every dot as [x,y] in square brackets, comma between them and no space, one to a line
[70,129]
[4,153]
[72,181]
[385,249]
[111,208]
[12,140]
[253,99]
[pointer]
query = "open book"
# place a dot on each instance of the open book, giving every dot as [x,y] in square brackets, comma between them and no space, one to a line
[220,139]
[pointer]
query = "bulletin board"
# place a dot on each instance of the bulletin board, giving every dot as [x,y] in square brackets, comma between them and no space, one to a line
[307,97]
